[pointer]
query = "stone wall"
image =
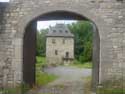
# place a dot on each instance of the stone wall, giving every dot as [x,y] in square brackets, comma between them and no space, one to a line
[108,15]
[61,48]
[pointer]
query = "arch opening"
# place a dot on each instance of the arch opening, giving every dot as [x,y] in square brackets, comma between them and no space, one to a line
[29,44]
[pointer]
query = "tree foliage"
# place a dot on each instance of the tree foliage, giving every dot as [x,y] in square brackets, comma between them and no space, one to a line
[41,42]
[83,40]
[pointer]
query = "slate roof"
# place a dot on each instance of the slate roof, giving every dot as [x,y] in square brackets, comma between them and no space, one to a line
[60,30]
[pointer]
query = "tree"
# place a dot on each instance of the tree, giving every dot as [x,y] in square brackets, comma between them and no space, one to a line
[41,42]
[83,40]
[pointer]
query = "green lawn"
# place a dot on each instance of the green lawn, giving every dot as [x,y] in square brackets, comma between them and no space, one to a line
[42,78]
[40,59]
[80,65]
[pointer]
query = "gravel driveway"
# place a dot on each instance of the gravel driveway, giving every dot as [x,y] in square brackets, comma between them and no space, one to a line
[70,80]
[69,73]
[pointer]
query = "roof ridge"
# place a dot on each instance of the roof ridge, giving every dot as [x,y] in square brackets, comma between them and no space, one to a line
[59,30]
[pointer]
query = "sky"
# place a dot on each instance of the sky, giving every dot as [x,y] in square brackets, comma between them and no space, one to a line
[46,24]
[4,0]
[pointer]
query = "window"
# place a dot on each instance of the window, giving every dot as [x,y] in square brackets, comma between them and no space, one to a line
[66,31]
[56,52]
[53,41]
[54,31]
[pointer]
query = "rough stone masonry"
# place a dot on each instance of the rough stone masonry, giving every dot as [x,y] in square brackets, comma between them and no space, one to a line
[107,15]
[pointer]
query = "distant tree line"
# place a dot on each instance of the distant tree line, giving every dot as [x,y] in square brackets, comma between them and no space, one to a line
[83,33]
[41,42]
[83,40]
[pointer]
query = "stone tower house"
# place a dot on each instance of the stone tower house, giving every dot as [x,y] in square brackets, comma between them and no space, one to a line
[59,45]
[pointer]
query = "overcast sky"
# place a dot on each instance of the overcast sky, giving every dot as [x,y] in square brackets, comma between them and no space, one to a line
[4,0]
[46,24]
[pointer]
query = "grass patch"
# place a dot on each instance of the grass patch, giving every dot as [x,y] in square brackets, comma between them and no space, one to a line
[77,64]
[43,78]
[88,88]
[110,91]
[87,85]
[16,90]
[40,63]
[21,89]
[40,59]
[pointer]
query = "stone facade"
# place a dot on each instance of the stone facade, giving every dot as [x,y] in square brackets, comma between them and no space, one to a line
[59,45]
[107,15]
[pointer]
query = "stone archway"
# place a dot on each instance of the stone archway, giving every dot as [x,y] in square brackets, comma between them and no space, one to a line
[108,16]
[54,15]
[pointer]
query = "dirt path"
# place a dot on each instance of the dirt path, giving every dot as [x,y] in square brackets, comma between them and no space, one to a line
[70,80]
[66,73]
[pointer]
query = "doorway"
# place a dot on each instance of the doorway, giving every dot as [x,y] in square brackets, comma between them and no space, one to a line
[29,45]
